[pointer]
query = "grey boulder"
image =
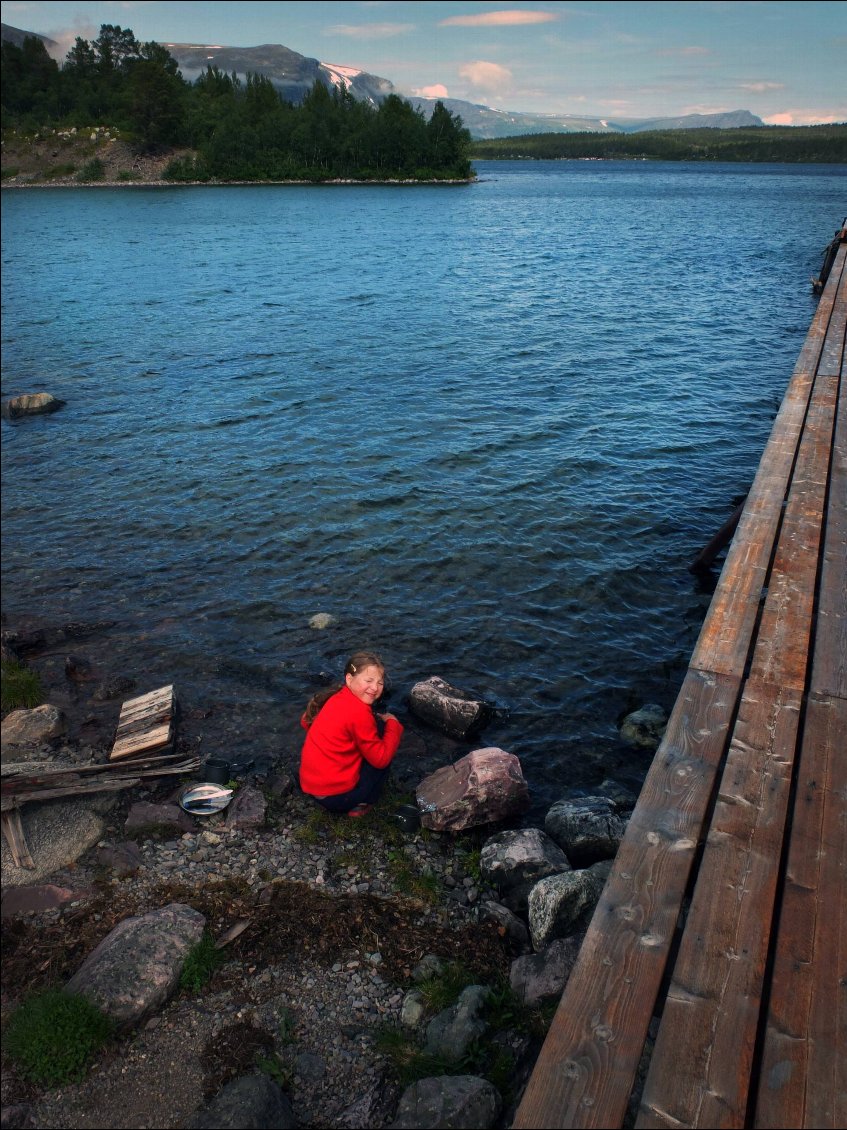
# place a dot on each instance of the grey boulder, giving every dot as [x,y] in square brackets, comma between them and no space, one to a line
[461,1102]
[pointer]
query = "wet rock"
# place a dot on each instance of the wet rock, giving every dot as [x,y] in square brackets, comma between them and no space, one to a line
[114,687]
[136,967]
[451,1032]
[78,670]
[457,1101]
[253,1102]
[645,727]
[562,905]
[541,977]
[587,828]
[31,404]
[483,787]
[23,729]
[456,712]
[513,862]
[321,620]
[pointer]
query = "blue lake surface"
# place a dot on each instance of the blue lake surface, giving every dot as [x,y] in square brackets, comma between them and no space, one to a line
[485,427]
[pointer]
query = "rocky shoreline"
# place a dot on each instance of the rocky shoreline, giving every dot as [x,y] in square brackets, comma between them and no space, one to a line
[335,935]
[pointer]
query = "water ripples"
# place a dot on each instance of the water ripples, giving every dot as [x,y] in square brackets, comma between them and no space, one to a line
[484,429]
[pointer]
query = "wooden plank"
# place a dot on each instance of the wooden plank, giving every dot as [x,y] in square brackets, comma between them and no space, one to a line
[805,1037]
[588,1063]
[15,838]
[51,777]
[812,346]
[782,646]
[832,353]
[96,786]
[142,702]
[701,1064]
[829,667]
[142,743]
[144,722]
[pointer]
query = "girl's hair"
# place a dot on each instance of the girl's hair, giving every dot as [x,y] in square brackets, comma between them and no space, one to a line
[357,662]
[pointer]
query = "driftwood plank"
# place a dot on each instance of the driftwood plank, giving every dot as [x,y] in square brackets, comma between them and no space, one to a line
[144,722]
[110,786]
[804,1039]
[15,838]
[151,698]
[157,739]
[587,1066]
[69,774]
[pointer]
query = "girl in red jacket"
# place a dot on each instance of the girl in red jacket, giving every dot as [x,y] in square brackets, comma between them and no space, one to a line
[346,754]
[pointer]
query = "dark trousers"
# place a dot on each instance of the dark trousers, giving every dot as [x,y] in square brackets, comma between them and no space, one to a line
[366,791]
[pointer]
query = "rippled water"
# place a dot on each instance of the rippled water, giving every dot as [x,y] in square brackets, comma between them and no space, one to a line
[484,427]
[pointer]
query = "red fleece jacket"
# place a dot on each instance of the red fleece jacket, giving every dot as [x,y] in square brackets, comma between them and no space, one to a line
[341,735]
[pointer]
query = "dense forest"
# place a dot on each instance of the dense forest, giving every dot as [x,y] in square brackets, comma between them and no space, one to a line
[234,129]
[762,143]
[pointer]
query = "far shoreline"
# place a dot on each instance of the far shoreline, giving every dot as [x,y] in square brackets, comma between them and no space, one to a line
[340,181]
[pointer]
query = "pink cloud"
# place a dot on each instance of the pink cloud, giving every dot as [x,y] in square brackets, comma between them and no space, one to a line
[807,117]
[487,76]
[508,18]
[439,90]
[370,31]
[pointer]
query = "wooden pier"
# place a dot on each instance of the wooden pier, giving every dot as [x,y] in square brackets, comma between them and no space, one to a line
[711,988]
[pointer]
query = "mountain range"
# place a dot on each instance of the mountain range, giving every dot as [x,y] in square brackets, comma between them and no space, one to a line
[294,74]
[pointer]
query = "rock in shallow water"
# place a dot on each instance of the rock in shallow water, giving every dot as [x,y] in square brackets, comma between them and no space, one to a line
[483,787]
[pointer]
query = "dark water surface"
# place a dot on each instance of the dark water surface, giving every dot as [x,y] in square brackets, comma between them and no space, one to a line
[485,428]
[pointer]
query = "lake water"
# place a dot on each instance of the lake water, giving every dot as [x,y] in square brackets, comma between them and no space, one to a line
[484,427]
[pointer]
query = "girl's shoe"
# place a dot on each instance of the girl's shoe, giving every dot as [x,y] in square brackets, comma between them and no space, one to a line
[360,810]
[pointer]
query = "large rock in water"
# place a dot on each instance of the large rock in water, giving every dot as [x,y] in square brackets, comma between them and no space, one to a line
[645,727]
[136,967]
[458,713]
[482,787]
[31,404]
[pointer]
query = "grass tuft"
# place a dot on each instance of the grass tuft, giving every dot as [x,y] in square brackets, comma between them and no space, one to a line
[20,686]
[53,1035]
[200,964]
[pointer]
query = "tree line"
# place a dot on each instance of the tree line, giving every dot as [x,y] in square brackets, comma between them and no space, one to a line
[816,144]
[235,129]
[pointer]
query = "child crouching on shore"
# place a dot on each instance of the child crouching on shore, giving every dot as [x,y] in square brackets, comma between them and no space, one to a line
[345,758]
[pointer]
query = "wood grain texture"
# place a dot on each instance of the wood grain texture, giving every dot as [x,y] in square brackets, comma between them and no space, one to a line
[701,1066]
[587,1066]
[804,1037]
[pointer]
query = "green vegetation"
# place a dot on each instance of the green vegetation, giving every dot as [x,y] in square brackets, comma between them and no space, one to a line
[53,1036]
[91,171]
[200,964]
[20,686]
[235,130]
[814,144]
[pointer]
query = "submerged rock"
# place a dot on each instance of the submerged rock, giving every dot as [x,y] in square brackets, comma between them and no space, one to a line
[458,713]
[645,727]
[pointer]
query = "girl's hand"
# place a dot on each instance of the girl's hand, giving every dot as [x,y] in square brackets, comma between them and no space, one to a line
[385,717]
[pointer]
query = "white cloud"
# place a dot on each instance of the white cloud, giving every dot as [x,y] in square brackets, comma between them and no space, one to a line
[761,87]
[370,31]
[438,90]
[490,77]
[509,18]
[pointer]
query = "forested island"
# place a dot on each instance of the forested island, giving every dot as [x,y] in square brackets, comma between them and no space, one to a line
[224,129]
[813,144]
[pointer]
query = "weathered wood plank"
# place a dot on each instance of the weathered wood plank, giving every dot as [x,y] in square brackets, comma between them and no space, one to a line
[151,698]
[50,777]
[14,834]
[813,916]
[146,742]
[812,346]
[829,667]
[143,722]
[96,786]
[782,645]
[701,1065]
[587,1066]
[832,353]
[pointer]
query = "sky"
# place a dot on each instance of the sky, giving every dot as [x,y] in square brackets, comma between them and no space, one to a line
[782,59]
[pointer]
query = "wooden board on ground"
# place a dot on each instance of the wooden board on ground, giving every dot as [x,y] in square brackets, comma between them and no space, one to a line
[147,725]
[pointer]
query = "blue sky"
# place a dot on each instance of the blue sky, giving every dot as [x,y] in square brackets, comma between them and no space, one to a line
[782,60]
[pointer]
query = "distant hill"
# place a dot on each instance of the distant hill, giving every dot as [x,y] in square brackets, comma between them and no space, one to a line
[294,74]
[16,36]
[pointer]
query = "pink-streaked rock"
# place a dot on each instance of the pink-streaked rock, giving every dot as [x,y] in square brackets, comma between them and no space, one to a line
[44,896]
[483,787]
